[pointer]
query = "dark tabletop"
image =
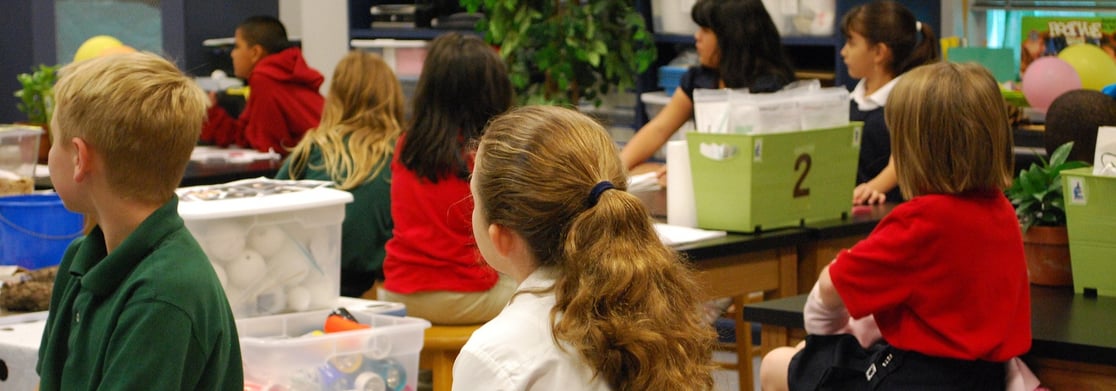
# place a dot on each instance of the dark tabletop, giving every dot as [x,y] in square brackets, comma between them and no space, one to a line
[1064,325]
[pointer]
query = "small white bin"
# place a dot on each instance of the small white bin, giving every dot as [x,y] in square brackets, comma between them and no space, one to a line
[275,245]
[284,352]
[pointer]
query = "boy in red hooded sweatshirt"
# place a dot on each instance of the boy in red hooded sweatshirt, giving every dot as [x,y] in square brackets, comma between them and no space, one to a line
[284,101]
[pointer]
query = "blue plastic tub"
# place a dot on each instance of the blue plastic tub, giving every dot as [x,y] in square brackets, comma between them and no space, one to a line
[35,230]
[670,77]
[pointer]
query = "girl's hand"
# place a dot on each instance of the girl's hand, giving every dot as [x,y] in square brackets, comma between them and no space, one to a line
[865,195]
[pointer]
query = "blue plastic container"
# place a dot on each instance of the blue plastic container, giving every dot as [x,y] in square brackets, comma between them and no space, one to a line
[35,230]
[670,77]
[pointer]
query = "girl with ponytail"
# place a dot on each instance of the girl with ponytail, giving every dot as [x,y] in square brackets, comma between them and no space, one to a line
[601,303]
[883,40]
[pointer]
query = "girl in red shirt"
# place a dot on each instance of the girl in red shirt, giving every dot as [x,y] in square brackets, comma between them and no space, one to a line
[432,264]
[943,274]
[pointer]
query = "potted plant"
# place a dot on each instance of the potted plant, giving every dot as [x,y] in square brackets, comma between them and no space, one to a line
[1037,196]
[36,97]
[566,51]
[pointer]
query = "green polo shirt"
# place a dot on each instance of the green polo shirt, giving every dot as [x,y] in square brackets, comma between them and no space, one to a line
[149,316]
[367,226]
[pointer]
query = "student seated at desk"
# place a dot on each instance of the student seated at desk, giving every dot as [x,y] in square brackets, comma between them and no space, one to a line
[352,148]
[943,274]
[883,40]
[284,102]
[739,47]
[136,304]
[601,304]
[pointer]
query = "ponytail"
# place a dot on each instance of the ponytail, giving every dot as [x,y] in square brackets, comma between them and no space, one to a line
[926,51]
[626,301]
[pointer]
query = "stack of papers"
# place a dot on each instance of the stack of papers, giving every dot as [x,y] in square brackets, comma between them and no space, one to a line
[210,154]
[644,182]
[675,234]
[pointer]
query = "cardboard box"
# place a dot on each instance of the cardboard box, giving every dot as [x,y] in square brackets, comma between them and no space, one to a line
[284,352]
[275,245]
[746,182]
[1091,219]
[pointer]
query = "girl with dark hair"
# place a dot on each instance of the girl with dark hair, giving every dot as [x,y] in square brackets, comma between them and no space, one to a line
[739,47]
[601,304]
[883,40]
[432,264]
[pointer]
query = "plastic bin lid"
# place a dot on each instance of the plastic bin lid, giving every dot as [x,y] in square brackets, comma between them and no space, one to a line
[20,130]
[256,196]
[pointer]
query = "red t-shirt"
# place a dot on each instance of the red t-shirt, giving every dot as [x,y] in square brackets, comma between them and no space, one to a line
[284,104]
[432,246]
[944,276]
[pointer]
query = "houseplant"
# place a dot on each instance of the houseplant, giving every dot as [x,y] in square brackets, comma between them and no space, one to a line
[1036,194]
[36,97]
[566,51]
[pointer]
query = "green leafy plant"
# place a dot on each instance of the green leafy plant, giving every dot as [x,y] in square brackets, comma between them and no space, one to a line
[37,93]
[1037,192]
[564,51]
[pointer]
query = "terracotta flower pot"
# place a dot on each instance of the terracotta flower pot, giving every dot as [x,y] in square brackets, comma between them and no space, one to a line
[1048,257]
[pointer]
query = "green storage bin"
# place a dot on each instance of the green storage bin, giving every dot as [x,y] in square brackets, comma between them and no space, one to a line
[1091,223]
[752,182]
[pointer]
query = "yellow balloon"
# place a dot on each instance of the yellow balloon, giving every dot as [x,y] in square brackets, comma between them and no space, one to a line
[93,47]
[124,49]
[1092,64]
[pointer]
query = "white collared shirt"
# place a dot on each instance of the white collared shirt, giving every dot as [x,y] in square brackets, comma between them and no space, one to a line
[876,100]
[516,350]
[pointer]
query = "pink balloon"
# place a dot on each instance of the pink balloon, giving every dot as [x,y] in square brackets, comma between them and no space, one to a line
[1046,79]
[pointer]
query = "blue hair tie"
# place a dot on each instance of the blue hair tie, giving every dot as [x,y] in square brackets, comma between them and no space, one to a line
[595,194]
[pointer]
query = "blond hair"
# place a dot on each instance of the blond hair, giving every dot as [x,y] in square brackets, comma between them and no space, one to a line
[140,113]
[949,130]
[624,301]
[360,122]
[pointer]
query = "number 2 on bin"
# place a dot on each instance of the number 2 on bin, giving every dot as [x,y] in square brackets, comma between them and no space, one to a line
[800,191]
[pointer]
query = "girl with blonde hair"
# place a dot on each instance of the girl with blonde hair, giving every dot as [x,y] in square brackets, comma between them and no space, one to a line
[601,303]
[352,147]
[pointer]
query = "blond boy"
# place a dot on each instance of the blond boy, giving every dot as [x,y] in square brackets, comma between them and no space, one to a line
[136,304]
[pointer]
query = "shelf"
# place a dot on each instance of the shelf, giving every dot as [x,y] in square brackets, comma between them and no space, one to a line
[787,41]
[403,33]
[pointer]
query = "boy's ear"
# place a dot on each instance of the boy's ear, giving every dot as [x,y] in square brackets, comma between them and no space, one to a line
[257,52]
[82,159]
[505,241]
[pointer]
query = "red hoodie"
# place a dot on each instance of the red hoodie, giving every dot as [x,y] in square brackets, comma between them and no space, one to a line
[283,105]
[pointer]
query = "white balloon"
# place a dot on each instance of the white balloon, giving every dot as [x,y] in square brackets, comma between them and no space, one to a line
[248,268]
[223,241]
[266,240]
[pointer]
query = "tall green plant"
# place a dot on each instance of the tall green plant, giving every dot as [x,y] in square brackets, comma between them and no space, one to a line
[37,93]
[1037,191]
[563,51]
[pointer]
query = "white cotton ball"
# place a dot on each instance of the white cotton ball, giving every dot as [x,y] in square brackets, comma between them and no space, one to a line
[272,301]
[224,240]
[218,75]
[289,266]
[325,247]
[221,275]
[298,299]
[266,240]
[248,268]
[322,292]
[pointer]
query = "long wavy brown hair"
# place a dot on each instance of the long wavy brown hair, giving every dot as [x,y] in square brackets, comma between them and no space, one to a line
[625,302]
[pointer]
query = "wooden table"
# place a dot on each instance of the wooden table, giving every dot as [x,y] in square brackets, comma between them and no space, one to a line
[1073,343]
[737,265]
[832,236]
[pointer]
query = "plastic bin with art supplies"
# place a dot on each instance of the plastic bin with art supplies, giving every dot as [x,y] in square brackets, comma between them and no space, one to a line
[275,244]
[1090,203]
[331,350]
[766,161]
